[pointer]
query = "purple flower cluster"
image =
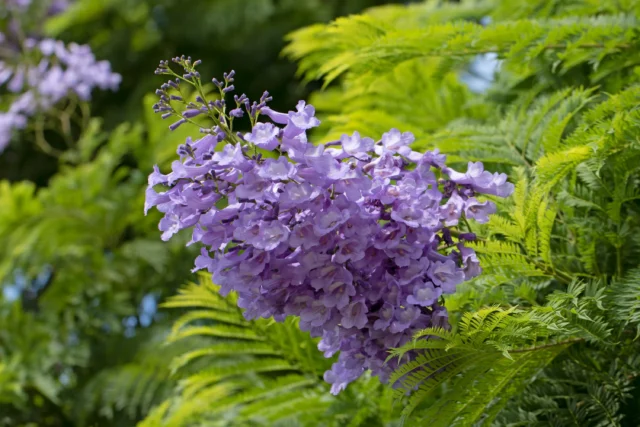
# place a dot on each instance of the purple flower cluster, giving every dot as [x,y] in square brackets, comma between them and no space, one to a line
[41,73]
[18,4]
[358,238]
[53,7]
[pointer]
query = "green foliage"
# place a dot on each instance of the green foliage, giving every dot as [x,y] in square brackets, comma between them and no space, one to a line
[367,46]
[372,111]
[624,299]
[584,387]
[10,390]
[547,335]
[493,352]
[76,258]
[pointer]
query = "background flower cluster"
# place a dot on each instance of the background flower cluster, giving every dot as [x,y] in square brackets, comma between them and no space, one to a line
[40,72]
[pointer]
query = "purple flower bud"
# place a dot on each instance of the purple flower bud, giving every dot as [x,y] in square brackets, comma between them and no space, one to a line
[188,114]
[446,236]
[177,124]
[469,237]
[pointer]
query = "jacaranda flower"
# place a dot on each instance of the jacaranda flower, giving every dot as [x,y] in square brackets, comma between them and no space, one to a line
[354,237]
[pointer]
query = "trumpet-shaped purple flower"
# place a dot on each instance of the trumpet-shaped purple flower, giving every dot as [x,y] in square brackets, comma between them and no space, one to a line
[396,142]
[271,235]
[355,146]
[409,214]
[482,181]
[389,235]
[294,194]
[280,169]
[303,236]
[424,294]
[403,253]
[232,156]
[339,377]
[328,220]
[353,185]
[263,135]
[327,167]
[316,313]
[338,294]
[296,122]
[470,262]
[452,209]
[404,317]
[477,210]
[354,315]
[446,275]
[385,316]
[304,118]
[252,188]
[349,250]
[256,264]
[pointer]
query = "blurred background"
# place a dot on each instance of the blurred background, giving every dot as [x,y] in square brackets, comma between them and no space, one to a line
[82,270]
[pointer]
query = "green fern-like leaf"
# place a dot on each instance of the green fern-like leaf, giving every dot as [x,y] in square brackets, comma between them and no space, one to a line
[246,372]
[492,355]
[376,45]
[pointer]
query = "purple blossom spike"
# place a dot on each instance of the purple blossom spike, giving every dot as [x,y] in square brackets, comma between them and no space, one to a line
[355,238]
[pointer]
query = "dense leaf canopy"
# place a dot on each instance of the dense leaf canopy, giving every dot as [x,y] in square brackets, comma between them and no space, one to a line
[544,91]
